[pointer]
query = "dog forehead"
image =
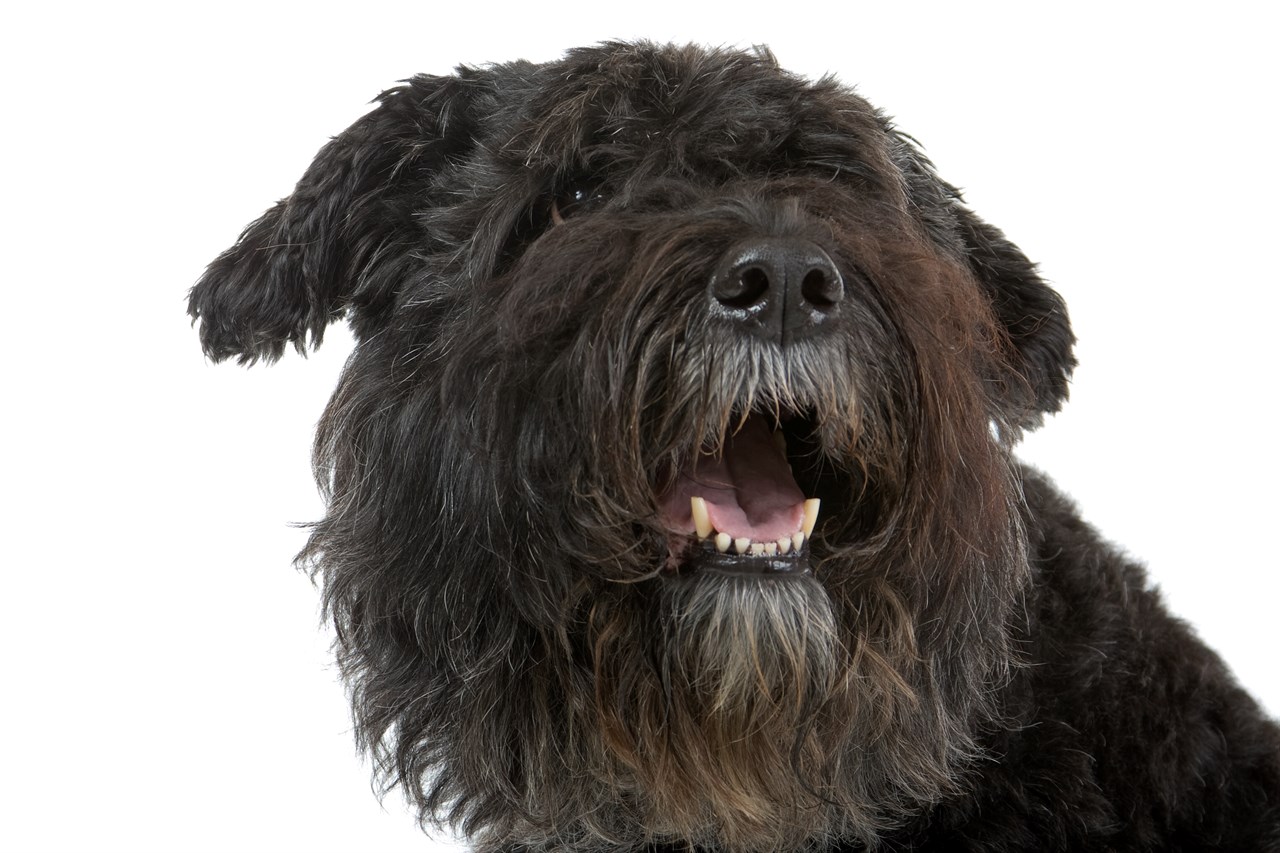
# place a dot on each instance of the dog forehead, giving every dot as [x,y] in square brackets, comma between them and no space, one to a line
[690,104]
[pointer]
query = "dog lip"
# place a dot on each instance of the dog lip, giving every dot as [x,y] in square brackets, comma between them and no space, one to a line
[708,559]
[708,549]
[737,508]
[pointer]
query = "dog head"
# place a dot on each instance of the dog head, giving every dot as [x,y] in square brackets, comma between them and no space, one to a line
[621,320]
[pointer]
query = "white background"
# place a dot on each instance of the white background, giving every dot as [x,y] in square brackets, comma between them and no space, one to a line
[166,681]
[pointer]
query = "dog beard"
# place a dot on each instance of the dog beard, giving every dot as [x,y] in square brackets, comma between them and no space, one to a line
[730,732]
[734,730]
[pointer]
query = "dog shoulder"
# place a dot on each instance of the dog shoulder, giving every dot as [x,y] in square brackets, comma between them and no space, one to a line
[1124,703]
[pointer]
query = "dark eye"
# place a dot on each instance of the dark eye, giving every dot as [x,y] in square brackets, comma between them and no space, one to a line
[580,197]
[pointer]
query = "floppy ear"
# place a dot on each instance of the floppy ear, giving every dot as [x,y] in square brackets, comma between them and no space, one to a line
[1033,315]
[339,243]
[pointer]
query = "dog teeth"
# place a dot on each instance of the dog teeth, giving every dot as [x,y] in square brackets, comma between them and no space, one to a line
[810,517]
[743,545]
[701,520]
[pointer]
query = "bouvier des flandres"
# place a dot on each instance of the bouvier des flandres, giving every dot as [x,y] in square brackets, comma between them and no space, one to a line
[623,322]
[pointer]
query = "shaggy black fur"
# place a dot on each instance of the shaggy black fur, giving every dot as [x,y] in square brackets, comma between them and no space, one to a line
[573,283]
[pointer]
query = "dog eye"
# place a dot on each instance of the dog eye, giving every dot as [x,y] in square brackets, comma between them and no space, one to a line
[579,198]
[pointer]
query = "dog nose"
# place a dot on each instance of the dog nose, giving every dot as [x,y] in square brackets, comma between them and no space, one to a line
[777,288]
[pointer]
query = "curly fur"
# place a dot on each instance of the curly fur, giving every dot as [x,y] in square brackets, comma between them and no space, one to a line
[966,666]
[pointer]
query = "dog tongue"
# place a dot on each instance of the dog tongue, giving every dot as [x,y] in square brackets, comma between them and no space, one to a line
[749,490]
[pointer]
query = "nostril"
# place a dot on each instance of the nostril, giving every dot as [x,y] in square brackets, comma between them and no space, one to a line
[776,287]
[822,287]
[747,287]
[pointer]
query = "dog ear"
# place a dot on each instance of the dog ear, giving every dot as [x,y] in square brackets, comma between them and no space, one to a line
[338,244]
[1032,314]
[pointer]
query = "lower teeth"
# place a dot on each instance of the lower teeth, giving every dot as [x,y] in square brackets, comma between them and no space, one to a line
[743,545]
[724,544]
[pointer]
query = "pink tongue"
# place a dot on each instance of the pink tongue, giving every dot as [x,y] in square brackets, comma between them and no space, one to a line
[749,490]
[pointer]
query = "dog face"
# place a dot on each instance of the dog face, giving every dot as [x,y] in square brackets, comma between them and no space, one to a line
[623,321]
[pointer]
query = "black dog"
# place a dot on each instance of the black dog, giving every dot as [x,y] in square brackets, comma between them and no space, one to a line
[622,321]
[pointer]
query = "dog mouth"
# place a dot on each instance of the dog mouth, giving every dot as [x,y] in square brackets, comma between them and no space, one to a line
[736,506]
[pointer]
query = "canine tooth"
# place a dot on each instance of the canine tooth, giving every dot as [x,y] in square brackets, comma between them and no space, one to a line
[723,541]
[784,544]
[741,545]
[757,549]
[701,520]
[810,516]
[771,548]
[797,540]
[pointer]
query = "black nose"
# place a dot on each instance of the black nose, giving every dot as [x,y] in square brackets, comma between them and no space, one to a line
[778,288]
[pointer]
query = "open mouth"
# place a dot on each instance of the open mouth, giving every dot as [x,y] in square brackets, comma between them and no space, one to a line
[738,508]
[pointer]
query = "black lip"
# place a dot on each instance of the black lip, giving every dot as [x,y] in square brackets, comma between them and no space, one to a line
[707,559]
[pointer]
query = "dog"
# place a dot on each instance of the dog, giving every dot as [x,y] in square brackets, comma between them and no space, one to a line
[671,496]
